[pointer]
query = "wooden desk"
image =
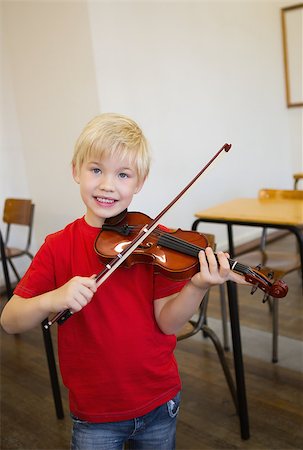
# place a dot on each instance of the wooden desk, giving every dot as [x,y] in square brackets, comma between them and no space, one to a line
[286,214]
[283,214]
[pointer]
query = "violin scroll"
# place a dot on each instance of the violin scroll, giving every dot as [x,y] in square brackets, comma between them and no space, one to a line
[262,279]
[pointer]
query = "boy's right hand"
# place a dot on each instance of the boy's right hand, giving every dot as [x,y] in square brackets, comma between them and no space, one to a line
[74,295]
[22,314]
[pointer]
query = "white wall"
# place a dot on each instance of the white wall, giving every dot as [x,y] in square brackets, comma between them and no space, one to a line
[194,75]
[50,94]
[197,75]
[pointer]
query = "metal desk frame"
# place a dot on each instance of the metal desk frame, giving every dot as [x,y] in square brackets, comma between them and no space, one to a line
[234,311]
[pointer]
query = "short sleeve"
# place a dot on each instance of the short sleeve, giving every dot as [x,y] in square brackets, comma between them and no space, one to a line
[39,278]
[164,286]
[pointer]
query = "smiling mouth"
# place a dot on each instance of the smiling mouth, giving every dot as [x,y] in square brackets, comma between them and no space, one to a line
[107,201]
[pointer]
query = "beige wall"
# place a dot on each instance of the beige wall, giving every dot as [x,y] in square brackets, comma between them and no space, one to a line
[194,74]
[197,75]
[53,90]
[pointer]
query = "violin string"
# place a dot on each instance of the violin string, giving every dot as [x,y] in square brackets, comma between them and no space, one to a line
[185,245]
[194,250]
[173,242]
[191,249]
[179,244]
[166,236]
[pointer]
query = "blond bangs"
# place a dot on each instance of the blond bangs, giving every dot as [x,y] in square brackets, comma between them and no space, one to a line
[112,135]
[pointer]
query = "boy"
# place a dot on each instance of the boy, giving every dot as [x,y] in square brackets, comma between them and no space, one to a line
[116,350]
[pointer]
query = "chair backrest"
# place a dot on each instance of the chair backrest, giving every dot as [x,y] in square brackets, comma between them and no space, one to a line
[210,240]
[18,212]
[280,194]
[297,177]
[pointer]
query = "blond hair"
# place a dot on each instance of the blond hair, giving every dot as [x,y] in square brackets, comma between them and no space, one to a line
[113,135]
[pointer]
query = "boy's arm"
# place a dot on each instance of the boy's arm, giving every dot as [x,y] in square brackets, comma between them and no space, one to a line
[174,311]
[22,314]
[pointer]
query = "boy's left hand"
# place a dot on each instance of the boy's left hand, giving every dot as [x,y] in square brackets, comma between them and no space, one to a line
[214,270]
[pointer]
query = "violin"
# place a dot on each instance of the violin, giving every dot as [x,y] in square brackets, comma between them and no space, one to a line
[145,235]
[174,253]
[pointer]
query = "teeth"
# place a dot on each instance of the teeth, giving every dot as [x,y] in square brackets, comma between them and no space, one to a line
[104,200]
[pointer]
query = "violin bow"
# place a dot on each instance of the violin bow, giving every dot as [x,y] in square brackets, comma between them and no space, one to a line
[146,230]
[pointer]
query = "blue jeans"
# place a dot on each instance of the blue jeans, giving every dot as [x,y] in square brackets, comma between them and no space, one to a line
[153,431]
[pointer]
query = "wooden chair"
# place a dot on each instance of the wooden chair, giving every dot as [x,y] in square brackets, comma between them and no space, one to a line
[18,212]
[198,323]
[280,194]
[281,262]
[297,177]
[21,212]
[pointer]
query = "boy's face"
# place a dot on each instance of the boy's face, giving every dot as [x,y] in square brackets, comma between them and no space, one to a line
[107,187]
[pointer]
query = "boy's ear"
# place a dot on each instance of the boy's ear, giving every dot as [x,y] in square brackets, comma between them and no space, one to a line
[139,187]
[75,174]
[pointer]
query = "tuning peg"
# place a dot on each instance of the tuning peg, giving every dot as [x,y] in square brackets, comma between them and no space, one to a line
[253,289]
[270,275]
[265,298]
[258,267]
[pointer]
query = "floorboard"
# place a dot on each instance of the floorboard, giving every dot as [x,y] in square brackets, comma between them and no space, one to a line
[207,419]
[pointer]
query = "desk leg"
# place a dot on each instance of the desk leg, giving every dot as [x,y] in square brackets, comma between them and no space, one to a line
[299,235]
[52,370]
[230,240]
[238,361]
[236,338]
[237,347]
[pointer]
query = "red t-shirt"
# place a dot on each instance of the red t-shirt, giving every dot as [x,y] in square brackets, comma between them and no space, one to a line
[114,359]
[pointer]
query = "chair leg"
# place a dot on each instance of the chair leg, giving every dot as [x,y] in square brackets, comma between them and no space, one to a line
[224,317]
[14,269]
[210,333]
[29,254]
[9,289]
[52,370]
[275,329]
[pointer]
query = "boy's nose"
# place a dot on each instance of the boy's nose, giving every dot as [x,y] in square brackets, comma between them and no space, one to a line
[106,184]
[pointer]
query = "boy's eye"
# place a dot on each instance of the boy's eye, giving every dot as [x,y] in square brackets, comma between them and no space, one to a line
[96,170]
[123,175]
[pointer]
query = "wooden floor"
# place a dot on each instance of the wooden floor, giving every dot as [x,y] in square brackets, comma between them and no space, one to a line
[207,419]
